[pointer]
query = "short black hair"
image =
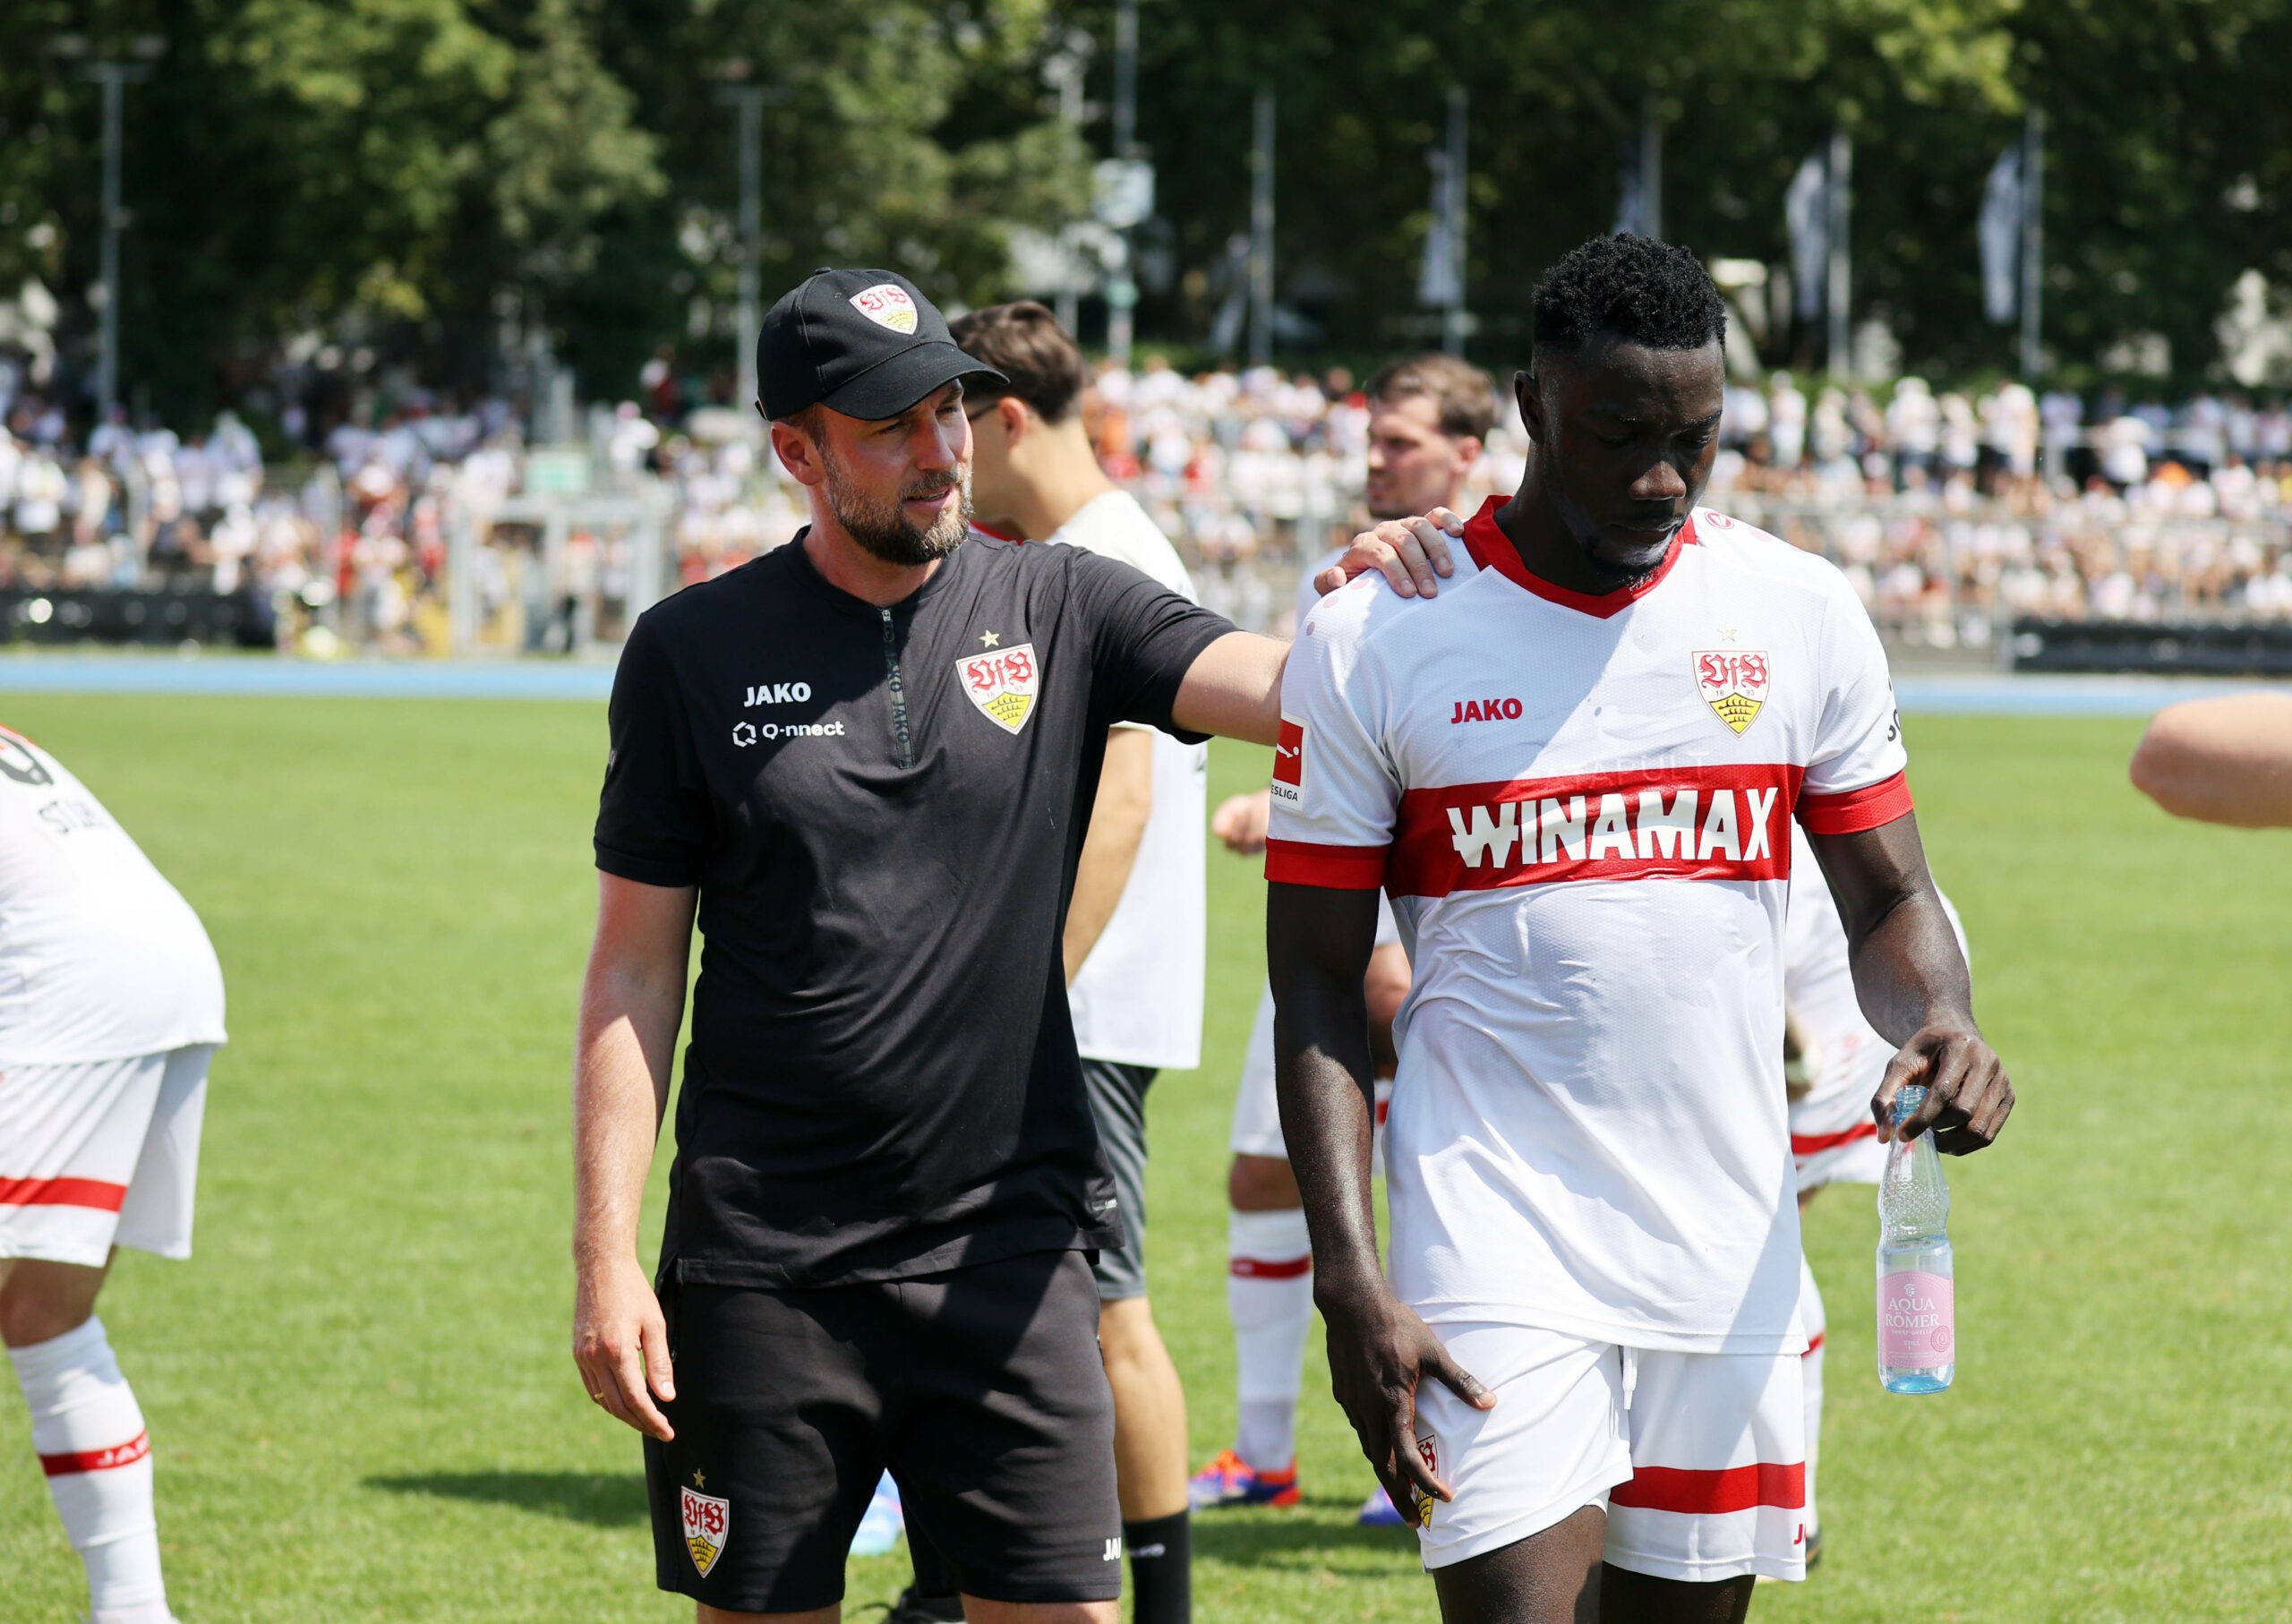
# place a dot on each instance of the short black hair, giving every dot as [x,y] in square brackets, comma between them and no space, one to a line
[1649,292]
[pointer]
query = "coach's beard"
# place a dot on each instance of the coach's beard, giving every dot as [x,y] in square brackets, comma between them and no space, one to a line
[881,525]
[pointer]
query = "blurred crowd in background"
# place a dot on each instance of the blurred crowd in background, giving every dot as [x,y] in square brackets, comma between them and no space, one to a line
[1951,512]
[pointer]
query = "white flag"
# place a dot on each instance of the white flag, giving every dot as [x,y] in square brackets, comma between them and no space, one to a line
[2000,230]
[1805,209]
[1436,277]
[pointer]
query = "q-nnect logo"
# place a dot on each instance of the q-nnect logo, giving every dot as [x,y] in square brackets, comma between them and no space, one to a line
[746,734]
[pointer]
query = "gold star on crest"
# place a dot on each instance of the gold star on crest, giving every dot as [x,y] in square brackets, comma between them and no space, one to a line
[988,639]
[699,1481]
[1726,634]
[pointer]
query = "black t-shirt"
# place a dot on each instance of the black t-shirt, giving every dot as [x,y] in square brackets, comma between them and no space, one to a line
[883,809]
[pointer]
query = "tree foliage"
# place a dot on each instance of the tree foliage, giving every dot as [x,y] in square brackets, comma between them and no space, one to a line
[425,178]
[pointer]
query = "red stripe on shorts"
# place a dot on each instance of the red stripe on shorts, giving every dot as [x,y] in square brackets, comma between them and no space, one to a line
[1814,1343]
[1709,1493]
[1815,1144]
[1258,1269]
[98,1460]
[61,1193]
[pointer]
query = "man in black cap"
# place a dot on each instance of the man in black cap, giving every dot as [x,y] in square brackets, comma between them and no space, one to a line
[866,759]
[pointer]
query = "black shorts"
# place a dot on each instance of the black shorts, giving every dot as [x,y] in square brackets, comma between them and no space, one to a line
[980,1389]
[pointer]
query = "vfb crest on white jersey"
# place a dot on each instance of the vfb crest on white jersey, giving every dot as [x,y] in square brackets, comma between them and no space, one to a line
[707,1524]
[1002,683]
[1733,683]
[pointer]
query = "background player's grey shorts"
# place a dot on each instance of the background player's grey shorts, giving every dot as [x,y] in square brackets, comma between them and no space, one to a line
[1118,1101]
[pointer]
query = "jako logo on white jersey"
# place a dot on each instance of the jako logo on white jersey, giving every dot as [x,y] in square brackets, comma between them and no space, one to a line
[780,693]
[1729,823]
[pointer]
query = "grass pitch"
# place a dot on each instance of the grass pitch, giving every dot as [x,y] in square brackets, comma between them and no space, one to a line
[359,1392]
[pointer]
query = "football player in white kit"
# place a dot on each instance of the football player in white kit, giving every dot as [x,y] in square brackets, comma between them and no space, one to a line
[1833,1137]
[111,1003]
[1429,416]
[1574,772]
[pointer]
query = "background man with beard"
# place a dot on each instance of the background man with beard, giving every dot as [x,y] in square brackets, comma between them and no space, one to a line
[1429,415]
[864,762]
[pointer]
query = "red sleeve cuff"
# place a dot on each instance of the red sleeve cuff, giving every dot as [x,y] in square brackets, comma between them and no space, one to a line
[1851,811]
[1297,862]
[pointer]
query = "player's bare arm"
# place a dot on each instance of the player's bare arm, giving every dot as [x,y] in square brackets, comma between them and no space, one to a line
[632,1002]
[1118,815]
[1911,980]
[2226,760]
[1318,944]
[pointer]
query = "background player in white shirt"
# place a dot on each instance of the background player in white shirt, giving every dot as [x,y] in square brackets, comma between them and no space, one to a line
[111,1003]
[1134,944]
[1429,417]
[1833,1137]
[1574,773]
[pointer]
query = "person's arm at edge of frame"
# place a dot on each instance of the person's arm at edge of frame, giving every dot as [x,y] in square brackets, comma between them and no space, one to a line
[1318,943]
[1118,818]
[1232,688]
[632,1003]
[2223,760]
[1911,981]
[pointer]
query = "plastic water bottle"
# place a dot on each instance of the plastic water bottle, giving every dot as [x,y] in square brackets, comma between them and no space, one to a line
[1918,1346]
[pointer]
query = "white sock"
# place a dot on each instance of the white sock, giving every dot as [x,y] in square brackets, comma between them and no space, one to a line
[1810,1377]
[1270,1295]
[88,1433]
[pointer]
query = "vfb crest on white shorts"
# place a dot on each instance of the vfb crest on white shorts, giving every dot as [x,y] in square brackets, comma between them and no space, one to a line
[707,1524]
[1428,1451]
[1733,683]
[1002,683]
[886,305]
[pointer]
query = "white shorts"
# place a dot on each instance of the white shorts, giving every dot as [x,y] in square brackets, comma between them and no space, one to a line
[1257,1111]
[1833,1137]
[101,1153]
[1698,1459]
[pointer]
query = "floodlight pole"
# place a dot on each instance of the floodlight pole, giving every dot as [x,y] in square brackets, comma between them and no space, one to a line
[1840,172]
[1453,320]
[2032,237]
[115,77]
[750,101]
[1122,292]
[1262,232]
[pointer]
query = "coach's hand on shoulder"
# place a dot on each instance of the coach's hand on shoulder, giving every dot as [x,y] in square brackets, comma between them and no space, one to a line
[1967,1095]
[1378,1353]
[1412,553]
[621,1345]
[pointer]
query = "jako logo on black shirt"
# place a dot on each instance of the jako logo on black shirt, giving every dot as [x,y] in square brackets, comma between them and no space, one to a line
[780,693]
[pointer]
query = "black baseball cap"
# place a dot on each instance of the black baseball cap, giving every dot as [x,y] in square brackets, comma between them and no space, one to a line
[865,343]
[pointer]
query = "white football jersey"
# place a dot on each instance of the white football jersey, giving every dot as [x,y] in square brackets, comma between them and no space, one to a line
[1580,807]
[101,958]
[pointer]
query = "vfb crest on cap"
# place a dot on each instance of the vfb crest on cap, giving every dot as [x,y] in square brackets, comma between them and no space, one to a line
[1732,682]
[707,1524]
[1001,684]
[886,305]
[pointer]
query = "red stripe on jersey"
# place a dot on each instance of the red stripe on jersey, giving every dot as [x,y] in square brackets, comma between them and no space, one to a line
[1709,1493]
[98,1460]
[1851,811]
[1813,1343]
[1297,862]
[1815,1144]
[1726,823]
[90,1192]
[1492,549]
[1258,1269]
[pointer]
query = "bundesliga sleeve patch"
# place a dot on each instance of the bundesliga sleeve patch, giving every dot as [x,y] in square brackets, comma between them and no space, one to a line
[707,1524]
[1733,683]
[1001,684]
[1289,763]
